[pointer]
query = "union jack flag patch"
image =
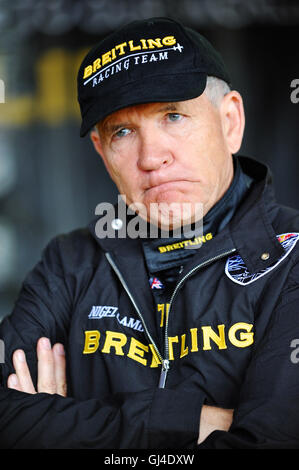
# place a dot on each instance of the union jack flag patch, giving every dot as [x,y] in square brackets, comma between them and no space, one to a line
[155,283]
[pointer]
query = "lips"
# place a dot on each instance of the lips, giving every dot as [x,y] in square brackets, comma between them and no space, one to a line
[167,184]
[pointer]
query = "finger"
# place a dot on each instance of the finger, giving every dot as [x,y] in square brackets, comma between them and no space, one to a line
[12,382]
[22,372]
[45,367]
[60,369]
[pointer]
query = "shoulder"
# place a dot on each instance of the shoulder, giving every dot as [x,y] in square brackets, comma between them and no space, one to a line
[286,217]
[285,222]
[71,251]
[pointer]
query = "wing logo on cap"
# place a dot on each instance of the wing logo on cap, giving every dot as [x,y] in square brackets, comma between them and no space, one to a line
[178,47]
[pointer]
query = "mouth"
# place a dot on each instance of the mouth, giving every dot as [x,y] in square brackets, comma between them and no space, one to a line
[172,185]
[167,183]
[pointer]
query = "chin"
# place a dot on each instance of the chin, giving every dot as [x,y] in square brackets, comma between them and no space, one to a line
[167,197]
[172,215]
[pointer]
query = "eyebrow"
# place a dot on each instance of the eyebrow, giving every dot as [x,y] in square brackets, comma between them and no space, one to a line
[168,107]
[114,127]
[110,128]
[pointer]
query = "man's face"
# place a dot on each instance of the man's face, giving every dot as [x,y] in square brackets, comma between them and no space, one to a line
[171,153]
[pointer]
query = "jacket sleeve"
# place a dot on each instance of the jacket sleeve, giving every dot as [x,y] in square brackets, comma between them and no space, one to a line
[267,415]
[41,421]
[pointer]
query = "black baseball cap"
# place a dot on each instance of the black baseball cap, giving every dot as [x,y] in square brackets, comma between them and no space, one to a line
[149,60]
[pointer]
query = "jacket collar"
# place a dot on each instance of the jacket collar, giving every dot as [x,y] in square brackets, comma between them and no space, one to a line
[250,230]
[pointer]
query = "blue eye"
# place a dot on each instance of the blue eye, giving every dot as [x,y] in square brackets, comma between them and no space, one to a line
[122,132]
[173,117]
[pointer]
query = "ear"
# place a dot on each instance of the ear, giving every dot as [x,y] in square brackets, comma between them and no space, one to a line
[96,140]
[97,143]
[233,120]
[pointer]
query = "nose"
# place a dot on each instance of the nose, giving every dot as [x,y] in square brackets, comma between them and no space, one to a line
[154,151]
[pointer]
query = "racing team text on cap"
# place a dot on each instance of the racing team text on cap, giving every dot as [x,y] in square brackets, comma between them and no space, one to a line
[100,69]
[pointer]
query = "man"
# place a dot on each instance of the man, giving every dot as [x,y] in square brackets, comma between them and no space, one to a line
[170,342]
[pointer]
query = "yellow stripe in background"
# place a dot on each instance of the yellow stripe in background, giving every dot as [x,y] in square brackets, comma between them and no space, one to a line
[55,97]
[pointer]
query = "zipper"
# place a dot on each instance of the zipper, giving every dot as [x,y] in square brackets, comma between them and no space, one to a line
[164,371]
[123,282]
[165,362]
[179,285]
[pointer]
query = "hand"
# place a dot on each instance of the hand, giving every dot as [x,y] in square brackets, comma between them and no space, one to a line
[50,369]
[213,419]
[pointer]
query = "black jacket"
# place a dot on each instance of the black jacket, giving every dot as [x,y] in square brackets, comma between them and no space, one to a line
[232,321]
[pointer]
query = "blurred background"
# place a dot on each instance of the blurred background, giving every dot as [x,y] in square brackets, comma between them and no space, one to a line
[51,179]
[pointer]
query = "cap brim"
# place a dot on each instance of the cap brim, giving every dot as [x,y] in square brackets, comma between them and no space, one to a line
[153,89]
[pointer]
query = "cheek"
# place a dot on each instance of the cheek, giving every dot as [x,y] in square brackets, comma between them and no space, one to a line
[206,156]
[123,172]
[114,162]
[208,143]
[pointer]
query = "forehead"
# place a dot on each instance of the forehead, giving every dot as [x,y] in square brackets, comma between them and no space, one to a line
[142,109]
[149,109]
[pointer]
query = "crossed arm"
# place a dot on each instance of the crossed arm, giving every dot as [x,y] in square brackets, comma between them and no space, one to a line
[51,369]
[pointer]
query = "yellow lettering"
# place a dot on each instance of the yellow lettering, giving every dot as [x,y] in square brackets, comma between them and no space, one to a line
[169,41]
[152,43]
[113,54]
[161,308]
[239,334]
[136,351]
[87,71]
[246,339]
[132,47]
[91,344]
[121,48]
[162,249]
[114,340]
[194,343]
[96,65]
[106,58]
[209,333]
[209,236]
[155,360]
[143,42]
[198,240]
[171,340]
[184,349]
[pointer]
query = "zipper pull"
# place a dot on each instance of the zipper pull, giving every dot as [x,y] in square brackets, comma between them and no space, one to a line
[164,370]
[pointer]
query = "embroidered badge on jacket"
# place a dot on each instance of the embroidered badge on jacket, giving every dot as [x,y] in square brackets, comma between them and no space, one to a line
[155,283]
[237,271]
